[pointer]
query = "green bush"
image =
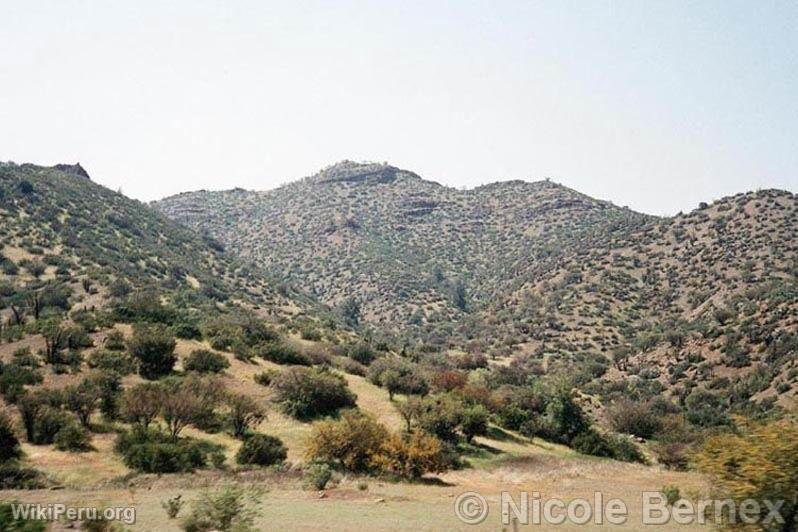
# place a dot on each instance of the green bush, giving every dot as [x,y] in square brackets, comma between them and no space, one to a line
[609,446]
[187,331]
[116,361]
[562,421]
[362,354]
[48,422]
[311,392]
[9,444]
[310,333]
[281,353]
[15,477]
[261,449]
[316,476]
[265,378]
[230,509]
[635,418]
[72,437]
[154,452]
[14,378]
[153,346]
[204,361]
[115,341]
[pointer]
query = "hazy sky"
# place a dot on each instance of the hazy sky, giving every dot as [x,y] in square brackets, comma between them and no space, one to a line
[654,105]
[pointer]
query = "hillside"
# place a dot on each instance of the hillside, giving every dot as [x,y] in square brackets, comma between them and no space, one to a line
[532,269]
[94,285]
[61,229]
[141,359]
[412,252]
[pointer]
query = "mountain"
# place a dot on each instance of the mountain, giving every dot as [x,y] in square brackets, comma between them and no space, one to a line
[61,230]
[533,269]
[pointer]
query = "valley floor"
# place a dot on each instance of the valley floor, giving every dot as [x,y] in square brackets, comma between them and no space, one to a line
[509,465]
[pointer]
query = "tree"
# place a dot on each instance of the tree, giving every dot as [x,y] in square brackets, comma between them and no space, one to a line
[441,416]
[82,399]
[179,408]
[566,417]
[760,463]
[349,310]
[459,295]
[398,376]
[474,422]
[55,339]
[142,403]
[153,346]
[245,413]
[410,410]
[109,388]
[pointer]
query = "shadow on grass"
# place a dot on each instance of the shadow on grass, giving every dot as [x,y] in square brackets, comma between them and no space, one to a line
[499,434]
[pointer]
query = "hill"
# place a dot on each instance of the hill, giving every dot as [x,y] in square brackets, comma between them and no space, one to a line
[535,270]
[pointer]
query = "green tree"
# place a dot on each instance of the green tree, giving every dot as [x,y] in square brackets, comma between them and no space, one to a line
[154,348]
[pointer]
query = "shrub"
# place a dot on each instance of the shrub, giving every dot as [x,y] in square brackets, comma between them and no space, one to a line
[72,437]
[629,417]
[261,449]
[350,366]
[352,441]
[115,341]
[244,413]
[311,392]
[9,444]
[32,405]
[82,400]
[265,378]
[116,361]
[316,476]
[411,455]
[154,452]
[673,455]
[14,378]
[108,385]
[281,353]
[671,493]
[397,376]
[153,346]
[310,333]
[441,415]
[758,463]
[609,446]
[47,423]
[204,361]
[230,509]
[173,505]
[562,422]
[187,331]
[15,477]
[362,354]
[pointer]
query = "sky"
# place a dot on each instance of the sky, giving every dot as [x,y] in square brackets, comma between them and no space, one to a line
[655,105]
